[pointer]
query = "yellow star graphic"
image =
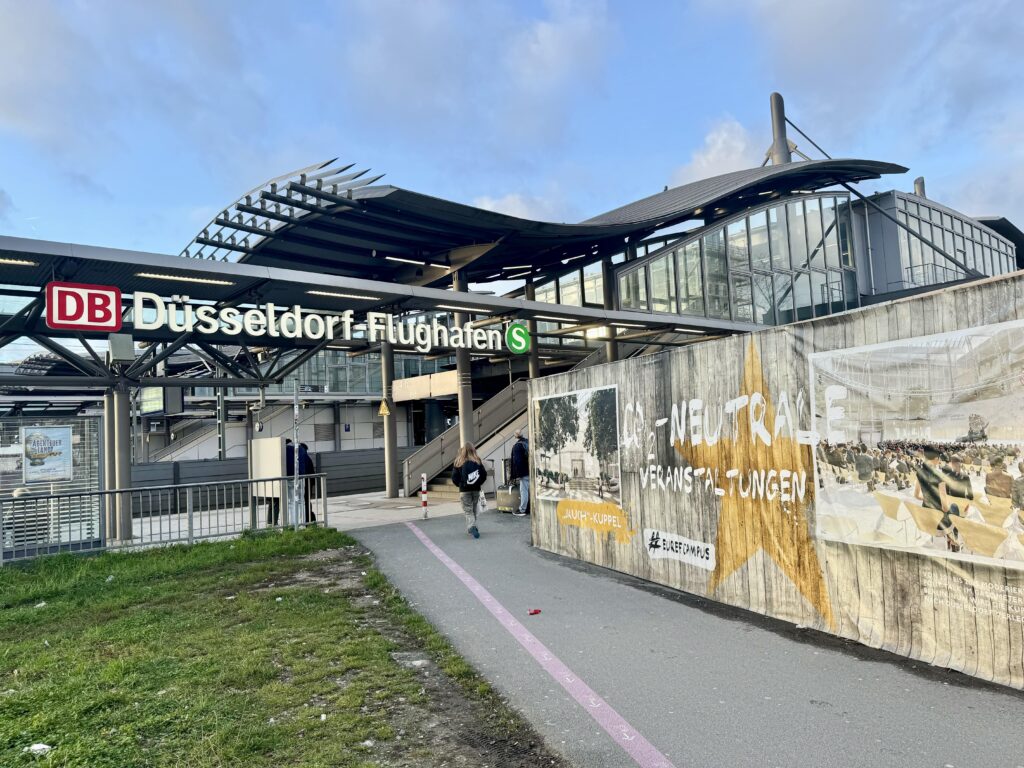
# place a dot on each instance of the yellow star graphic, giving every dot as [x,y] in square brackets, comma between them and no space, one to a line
[746,525]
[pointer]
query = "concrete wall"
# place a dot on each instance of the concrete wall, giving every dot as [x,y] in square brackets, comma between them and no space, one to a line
[347,471]
[359,427]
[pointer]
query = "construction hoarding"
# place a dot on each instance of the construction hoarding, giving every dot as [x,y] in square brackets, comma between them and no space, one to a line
[859,474]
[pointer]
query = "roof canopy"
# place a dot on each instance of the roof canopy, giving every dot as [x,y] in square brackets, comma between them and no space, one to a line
[326,218]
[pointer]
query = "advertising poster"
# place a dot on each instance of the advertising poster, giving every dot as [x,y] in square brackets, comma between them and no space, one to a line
[577,468]
[922,444]
[46,455]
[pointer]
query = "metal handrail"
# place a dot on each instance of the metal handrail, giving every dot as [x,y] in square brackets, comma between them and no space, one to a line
[172,486]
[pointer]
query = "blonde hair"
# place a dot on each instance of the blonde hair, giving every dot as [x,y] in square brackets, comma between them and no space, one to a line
[467,453]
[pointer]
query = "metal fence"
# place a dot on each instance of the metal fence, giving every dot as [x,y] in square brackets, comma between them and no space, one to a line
[34,525]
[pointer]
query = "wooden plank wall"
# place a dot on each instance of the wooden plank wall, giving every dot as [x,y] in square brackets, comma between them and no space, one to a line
[769,560]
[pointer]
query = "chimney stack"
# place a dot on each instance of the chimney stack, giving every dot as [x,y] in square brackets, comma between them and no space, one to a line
[780,143]
[919,187]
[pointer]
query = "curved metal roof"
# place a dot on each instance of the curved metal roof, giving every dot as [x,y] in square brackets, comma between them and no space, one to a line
[326,217]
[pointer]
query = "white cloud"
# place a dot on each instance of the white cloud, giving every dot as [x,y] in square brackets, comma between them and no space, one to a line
[525,206]
[728,146]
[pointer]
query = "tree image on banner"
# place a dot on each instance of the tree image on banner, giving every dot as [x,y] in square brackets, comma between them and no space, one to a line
[602,435]
[559,423]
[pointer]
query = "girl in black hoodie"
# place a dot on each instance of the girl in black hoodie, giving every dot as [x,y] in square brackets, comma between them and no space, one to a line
[469,475]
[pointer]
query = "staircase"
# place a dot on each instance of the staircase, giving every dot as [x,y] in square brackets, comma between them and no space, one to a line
[494,423]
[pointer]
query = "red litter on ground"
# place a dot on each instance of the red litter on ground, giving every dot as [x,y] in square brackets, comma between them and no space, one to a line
[534,611]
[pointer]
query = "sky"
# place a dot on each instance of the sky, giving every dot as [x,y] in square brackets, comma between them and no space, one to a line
[131,124]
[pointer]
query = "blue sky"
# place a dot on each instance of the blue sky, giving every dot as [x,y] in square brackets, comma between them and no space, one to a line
[130,124]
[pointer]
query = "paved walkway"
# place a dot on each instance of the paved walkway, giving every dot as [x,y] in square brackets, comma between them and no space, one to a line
[616,672]
[365,510]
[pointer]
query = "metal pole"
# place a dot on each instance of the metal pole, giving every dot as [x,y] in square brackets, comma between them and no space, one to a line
[387,369]
[222,424]
[780,143]
[531,326]
[464,372]
[123,461]
[611,346]
[295,452]
[423,493]
[109,462]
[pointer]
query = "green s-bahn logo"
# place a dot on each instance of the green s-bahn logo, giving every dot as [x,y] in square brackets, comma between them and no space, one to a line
[517,338]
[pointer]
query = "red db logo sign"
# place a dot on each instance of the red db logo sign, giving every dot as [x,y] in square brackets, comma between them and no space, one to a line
[81,307]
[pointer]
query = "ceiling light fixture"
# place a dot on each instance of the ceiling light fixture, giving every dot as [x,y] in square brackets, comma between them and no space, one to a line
[472,310]
[556,319]
[337,295]
[406,261]
[19,262]
[183,278]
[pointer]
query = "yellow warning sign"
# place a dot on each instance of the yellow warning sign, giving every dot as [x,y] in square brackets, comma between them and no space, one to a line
[384,410]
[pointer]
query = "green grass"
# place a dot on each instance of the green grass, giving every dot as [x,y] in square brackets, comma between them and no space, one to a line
[157,666]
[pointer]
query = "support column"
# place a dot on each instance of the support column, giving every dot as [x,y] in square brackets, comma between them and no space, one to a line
[611,346]
[109,462]
[531,325]
[463,367]
[336,410]
[387,370]
[222,423]
[123,461]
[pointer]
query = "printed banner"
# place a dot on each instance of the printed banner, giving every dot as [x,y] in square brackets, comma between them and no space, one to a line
[576,461]
[46,455]
[921,444]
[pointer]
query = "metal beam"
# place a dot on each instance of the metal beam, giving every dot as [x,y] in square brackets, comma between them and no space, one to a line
[85,366]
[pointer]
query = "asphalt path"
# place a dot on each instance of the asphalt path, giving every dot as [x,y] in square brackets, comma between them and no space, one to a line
[704,684]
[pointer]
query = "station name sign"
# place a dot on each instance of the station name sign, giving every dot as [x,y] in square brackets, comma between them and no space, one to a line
[80,307]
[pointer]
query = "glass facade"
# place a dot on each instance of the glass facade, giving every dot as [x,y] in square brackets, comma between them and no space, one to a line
[775,264]
[960,237]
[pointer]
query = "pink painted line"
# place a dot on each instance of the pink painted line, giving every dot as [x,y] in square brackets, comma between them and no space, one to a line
[626,736]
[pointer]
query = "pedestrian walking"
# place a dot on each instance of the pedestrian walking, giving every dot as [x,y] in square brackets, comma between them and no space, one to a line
[520,471]
[469,474]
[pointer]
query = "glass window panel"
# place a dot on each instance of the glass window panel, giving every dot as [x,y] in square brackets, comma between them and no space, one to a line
[593,284]
[845,243]
[947,221]
[663,283]
[829,227]
[915,254]
[835,291]
[850,289]
[764,306]
[691,283]
[958,226]
[936,216]
[901,203]
[777,235]
[947,241]
[912,208]
[904,252]
[784,298]
[716,274]
[739,258]
[815,241]
[633,289]
[569,289]
[760,256]
[802,295]
[797,233]
[819,293]
[743,305]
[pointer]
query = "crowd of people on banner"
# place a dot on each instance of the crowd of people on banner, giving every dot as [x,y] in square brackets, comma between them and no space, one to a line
[945,477]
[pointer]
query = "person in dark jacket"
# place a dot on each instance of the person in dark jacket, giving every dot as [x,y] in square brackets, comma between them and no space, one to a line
[521,472]
[469,474]
[307,467]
